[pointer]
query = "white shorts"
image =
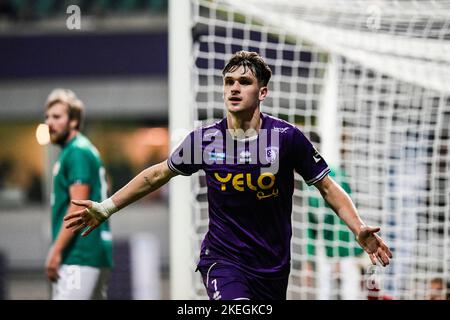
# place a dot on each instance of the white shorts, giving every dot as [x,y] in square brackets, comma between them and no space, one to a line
[80,283]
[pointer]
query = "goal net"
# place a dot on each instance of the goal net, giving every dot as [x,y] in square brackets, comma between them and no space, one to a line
[368,82]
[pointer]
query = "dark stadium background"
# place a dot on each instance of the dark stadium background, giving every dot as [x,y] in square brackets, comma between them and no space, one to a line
[117,64]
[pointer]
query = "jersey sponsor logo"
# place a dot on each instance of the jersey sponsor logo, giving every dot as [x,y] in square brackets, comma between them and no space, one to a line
[262,185]
[262,195]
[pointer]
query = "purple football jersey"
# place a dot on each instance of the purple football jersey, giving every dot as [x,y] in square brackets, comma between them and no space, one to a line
[250,185]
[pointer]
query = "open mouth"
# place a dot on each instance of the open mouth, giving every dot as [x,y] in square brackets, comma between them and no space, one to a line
[235,99]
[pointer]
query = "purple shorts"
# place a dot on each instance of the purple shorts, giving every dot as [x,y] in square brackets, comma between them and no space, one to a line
[226,282]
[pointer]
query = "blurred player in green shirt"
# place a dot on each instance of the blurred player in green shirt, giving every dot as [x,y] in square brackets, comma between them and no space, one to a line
[78,267]
[340,249]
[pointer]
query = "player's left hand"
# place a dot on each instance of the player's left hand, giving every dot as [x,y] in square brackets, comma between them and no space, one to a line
[375,247]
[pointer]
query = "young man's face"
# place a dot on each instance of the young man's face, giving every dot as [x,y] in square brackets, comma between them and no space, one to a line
[57,119]
[241,91]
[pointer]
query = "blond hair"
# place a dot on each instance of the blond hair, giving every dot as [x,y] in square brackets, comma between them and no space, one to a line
[75,106]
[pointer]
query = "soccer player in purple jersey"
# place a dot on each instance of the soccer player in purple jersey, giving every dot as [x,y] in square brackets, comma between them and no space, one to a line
[249,160]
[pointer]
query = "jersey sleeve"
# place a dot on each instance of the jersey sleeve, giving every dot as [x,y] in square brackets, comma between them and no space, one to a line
[186,159]
[79,169]
[307,160]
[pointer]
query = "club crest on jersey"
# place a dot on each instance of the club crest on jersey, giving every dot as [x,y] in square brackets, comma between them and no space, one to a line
[271,154]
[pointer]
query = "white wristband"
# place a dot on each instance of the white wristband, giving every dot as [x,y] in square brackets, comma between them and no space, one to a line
[109,206]
[102,211]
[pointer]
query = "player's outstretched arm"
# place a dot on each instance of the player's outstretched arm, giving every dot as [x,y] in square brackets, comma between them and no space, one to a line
[95,213]
[343,206]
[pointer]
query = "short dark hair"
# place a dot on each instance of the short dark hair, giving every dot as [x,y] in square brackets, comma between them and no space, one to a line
[75,107]
[253,61]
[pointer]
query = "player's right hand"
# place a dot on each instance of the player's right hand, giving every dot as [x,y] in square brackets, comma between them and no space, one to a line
[52,264]
[91,216]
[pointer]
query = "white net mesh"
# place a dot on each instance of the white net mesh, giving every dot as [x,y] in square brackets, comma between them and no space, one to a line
[391,119]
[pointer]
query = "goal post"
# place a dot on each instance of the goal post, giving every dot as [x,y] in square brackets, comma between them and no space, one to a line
[180,121]
[370,78]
